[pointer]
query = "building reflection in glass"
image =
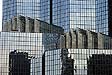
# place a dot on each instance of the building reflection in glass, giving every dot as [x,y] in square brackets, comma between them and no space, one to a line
[32,43]
[19,63]
[85,62]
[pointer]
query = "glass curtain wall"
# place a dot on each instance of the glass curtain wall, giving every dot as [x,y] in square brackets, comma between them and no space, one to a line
[11,8]
[78,62]
[102,16]
[70,13]
[21,53]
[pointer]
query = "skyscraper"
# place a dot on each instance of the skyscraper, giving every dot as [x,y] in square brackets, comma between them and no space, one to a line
[69,13]
[85,14]
[24,32]
[27,34]
[32,43]
[104,16]
[11,8]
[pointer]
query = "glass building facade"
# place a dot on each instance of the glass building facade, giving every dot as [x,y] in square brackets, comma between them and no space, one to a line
[70,13]
[27,46]
[103,16]
[78,62]
[45,10]
[34,47]
[11,8]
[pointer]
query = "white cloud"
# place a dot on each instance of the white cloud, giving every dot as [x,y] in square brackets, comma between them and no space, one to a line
[0,15]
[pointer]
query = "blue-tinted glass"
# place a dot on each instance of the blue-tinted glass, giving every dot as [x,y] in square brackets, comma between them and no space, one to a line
[102,16]
[11,8]
[70,13]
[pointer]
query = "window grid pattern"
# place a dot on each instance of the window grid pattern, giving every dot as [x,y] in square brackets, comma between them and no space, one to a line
[82,14]
[32,43]
[102,16]
[86,62]
[11,8]
[61,16]
[45,10]
[70,14]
